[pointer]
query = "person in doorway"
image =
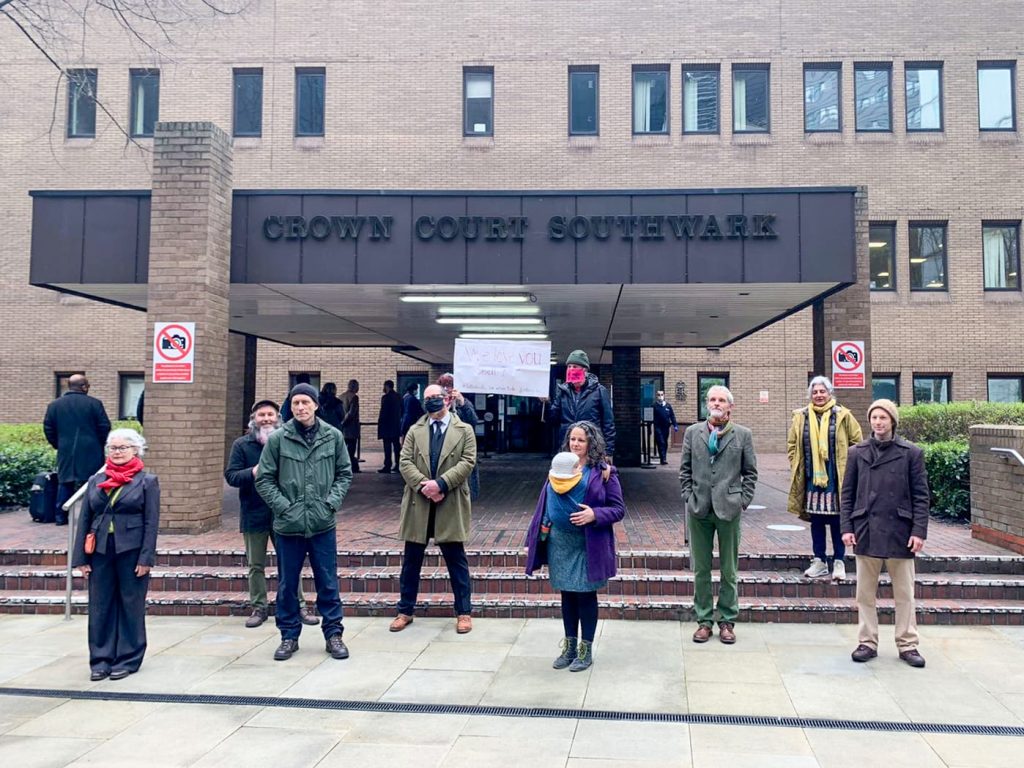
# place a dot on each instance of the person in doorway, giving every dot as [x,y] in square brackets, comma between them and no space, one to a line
[582,398]
[664,419]
[717,477]
[75,424]
[884,514]
[350,422]
[412,409]
[115,547]
[571,531]
[256,521]
[437,459]
[331,409]
[304,475]
[820,435]
[389,427]
[465,410]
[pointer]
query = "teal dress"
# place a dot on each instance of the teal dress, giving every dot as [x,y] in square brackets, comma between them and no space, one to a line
[567,543]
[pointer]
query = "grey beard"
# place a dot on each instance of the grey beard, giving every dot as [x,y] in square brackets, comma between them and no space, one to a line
[264,433]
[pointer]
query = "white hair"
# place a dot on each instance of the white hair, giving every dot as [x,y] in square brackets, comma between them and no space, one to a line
[824,381]
[129,436]
[721,388]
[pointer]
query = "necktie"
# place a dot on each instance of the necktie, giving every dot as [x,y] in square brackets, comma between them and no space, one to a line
[436,441]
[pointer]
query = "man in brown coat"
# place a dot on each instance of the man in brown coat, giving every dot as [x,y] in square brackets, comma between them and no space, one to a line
[884,514]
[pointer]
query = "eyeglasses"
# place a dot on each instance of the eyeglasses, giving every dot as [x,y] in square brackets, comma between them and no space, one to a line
[120,448]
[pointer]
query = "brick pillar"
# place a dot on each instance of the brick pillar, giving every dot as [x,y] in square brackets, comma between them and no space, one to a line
[846,316]
[241,386]
[626,405]
[189,279]
[997,485]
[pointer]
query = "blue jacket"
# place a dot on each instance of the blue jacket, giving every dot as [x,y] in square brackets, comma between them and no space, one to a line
[591,404]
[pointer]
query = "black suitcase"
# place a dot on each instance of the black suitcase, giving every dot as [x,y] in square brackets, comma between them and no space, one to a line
[43,501]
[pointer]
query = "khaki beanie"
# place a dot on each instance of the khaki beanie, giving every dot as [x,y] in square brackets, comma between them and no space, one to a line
[889,407]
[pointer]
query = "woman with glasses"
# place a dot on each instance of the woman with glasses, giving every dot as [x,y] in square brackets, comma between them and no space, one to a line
[115,547]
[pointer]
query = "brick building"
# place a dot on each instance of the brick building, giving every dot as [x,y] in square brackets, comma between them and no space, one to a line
[913,104]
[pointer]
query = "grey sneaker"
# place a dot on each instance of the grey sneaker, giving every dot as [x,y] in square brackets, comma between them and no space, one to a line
[568,653]
[584,657]
[838,571]
[818,569]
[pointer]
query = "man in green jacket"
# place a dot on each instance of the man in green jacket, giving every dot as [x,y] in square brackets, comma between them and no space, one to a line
[303,475]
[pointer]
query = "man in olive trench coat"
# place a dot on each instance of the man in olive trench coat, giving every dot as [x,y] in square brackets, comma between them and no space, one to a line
[438,456]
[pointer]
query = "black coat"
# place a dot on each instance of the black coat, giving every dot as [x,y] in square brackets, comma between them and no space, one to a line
[389,420]
[136,516]
[77,426]
[885,498]
[412,410]
[664,417]
[591,404]
[332,411]
[245,454]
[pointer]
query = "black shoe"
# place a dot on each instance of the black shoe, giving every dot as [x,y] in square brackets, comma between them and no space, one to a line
[394,471]
[307,617]
[863,653]
[60,521]
[336,647]
[99,674]
[286,650]
[385,471]
[913,658]
[120,673]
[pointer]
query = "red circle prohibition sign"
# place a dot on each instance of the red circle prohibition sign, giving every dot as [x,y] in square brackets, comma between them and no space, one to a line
[177,351]
[847,364]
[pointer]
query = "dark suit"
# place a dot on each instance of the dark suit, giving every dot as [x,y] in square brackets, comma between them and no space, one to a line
[664,418]
[389,427]
[117,597]
[77,426]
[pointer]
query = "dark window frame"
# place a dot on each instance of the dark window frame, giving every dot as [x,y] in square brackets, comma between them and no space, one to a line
[121,376]
[466,71]
[829,66]
[702,399]
[1012,66]
[584,69]
[665,69]
[896,383]
[949,384]
[245,72]
[1015,225]
[944,225]
[892,255]
[133,106]
[63,376]
[717,69]
[989,377]
[920,65]
[322,72]
[746,67]
[92,74]
[862,66]
[313,375]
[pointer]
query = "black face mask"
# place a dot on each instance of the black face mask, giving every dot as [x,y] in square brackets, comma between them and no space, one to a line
[434,404]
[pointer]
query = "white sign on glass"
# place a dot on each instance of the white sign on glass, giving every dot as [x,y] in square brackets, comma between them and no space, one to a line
[503,366]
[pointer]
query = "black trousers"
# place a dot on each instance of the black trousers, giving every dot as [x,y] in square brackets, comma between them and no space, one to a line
[391,447]
[350,443]
[117,611]
[661,438]
[458,570]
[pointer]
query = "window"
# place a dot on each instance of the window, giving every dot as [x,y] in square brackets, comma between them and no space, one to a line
[871,96]
[1001,249]
[583,100]
[750,99]
[928,256]
[650,385]
[60,381]
[821,97]
[1006,388]
[131,386]
[145,84]
[314,379]
[996,107]
[81,103]
[478,107]
[700,99]
[309,101]
[924,97]
[248,102]
[885,385]
[650,100]
[929,388]
[706,381]
[882,250]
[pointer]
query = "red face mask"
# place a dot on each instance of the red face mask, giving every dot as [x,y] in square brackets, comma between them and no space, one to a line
[575,375]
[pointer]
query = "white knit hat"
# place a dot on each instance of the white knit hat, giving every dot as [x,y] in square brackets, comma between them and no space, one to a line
[563,466]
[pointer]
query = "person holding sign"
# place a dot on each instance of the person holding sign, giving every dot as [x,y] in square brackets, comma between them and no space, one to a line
[582,398]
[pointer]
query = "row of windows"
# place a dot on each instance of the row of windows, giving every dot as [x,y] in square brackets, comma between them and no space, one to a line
[929,260]
[751,100]
[129,389]
[938,388]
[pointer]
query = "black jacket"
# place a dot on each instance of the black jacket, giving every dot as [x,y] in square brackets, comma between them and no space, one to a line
[245,454]
[77,426]
[136,516]
[389,420]
[591,404]
[332,411]
[412,410]
[664,417]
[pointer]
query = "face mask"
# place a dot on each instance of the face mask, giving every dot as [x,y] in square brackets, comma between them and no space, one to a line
[575,375]
[661,399]
[434,404]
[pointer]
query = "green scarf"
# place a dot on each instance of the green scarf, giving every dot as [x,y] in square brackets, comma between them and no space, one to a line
[716,433]
[819,441]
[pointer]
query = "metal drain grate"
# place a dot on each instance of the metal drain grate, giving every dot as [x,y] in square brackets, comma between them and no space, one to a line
[538,712]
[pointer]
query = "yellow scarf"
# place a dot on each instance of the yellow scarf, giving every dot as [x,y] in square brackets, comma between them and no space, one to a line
[562,485]
[819,441]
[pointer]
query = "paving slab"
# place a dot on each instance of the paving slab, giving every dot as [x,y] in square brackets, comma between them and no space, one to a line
[269,747]
[43,752]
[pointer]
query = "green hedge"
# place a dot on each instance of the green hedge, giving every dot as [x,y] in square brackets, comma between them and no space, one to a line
[939,423]
[949,475]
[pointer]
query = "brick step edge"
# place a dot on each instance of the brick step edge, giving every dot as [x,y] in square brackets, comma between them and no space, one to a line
[930,612]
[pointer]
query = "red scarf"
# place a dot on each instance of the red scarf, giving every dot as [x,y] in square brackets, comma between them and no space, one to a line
[120,474]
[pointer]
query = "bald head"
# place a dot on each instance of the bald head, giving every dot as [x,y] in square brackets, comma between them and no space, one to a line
[78,383]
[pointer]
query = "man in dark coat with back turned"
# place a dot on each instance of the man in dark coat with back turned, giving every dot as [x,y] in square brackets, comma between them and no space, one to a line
[389,426]
[582,398]
[77,426]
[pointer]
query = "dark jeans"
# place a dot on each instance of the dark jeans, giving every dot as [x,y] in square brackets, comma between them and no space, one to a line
[64,492]
[818,525]
[117,611]
[458,570]
[323,559]
[661,438]
[391,446]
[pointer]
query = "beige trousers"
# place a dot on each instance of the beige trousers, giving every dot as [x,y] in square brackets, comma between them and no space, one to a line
[901,571]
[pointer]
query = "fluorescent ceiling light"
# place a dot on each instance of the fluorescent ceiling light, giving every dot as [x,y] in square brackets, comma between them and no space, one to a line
[489,320]
[882,274]
[918,261]
[878,245]
[500,329]
[466,298]
[512,310]
[537,336]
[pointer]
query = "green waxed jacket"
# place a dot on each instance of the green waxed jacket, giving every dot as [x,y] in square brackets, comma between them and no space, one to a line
[304,485]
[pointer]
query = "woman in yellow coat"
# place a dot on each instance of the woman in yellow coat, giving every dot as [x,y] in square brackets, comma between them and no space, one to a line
[819,437]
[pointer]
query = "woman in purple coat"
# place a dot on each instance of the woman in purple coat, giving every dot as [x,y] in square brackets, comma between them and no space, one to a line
[571,532]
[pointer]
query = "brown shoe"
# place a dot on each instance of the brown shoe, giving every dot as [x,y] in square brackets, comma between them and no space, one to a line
[464,624]
[703,633]
[863,653]
[307,617]
[400,622]
[726,633]
[259,615]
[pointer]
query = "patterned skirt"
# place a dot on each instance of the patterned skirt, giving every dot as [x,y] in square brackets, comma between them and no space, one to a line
[822,502]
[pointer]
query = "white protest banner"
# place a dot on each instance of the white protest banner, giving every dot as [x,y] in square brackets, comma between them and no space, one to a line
[503,367]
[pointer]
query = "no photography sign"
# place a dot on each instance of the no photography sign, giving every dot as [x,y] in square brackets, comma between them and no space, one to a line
[848,364]
[173,353]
